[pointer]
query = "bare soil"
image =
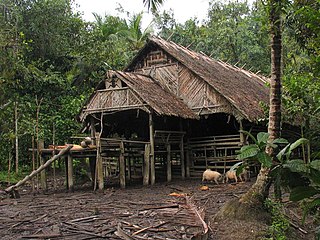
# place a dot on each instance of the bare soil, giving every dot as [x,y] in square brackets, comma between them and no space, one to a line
[136,212]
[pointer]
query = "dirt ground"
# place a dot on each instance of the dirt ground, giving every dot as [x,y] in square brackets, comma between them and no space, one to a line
[136,212]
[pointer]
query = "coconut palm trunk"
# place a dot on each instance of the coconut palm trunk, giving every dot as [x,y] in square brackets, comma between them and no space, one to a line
[260,190]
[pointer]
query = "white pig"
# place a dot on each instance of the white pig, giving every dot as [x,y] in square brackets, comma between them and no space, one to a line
[231,174]
[210,175]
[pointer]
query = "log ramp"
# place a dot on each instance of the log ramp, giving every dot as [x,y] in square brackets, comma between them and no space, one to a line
[12,190]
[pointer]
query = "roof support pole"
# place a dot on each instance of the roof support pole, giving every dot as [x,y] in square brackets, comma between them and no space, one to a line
[183,170]
[70,173]
[152,157]
[122,166]
[169,171]
[99,167]
[146,164]
[92,130]
[242,138]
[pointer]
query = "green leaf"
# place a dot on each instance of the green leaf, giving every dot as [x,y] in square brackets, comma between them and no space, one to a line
[248,152]
[296,165]
[297,143]
[282,153]
[264,159]
[300,193]
[235,166]
[315,164]
[250,135]
[262,137]
[240,169]
[280,141]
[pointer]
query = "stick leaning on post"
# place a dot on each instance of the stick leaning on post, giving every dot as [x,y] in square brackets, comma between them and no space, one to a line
[35,172]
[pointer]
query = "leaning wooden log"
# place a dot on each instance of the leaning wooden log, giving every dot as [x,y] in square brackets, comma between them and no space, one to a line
[41,168]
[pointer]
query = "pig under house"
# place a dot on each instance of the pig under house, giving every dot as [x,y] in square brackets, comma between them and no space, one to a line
[170,113]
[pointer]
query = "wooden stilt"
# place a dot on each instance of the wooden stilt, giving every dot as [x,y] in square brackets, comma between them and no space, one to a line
[188,164]
[99,167]
[129,168]
[183,170]
[70,173]
[122,166]
[92,130]
[146,164]
[66,171]
[169,170]
[242,137]
[43,177]
[92,163]
[152,157]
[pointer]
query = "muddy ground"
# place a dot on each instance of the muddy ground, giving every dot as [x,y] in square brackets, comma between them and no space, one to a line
[136,212]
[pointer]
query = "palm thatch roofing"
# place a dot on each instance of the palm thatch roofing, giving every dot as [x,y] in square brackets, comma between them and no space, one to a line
[243,89]
[146,90]
[158,98]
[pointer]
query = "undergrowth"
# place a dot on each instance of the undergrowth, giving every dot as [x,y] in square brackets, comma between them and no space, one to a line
[280,224]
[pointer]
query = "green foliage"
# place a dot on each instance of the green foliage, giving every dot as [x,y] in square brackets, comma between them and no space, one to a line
[280,224]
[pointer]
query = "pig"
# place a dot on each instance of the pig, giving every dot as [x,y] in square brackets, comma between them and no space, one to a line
[231,174]
[210,175]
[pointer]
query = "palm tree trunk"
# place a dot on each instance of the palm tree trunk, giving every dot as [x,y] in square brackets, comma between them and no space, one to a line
[260,190]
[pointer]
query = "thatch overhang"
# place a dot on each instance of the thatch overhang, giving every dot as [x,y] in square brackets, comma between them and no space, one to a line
[244,90]
[140,92]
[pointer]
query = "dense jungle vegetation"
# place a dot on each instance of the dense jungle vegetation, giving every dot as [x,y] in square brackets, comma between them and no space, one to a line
[51,59]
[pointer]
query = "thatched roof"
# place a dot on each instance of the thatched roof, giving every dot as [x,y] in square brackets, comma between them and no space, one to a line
[146,89]
[158,98]
[243,89]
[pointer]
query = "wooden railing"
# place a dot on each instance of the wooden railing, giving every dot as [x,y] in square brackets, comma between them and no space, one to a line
[214,152]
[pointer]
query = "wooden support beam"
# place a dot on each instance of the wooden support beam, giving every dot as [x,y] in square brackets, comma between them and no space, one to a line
[242,137]
[129,167]
[70,173]
[43,177]
[169,170]
[92,130]
[152,157]
[92,163]
[122,166]
[183,170]
[99,167]
[188,163]
[146,164]
[41,168]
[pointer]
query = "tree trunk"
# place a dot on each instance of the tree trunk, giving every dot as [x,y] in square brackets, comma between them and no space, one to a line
[260,190]
[16,137]
[253,199]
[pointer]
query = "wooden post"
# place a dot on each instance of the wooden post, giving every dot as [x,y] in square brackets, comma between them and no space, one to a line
[242,138]
[183,170]
[122,166]
[70,173]
[169,170]
[146,164]
[99,167]
[66,170]
[92,130]
[43,177]
[152,157]
[188,163]
[92,163]
[129,167]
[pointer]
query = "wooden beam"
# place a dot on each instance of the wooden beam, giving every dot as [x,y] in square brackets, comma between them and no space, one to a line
[169,170]
[242,137]
[188,163]
[41,168]
[146,164]
[122,166]
[70,173]
[43,177]
[99,167]
[92,130]
[183,170]
[152,157]
[129,167]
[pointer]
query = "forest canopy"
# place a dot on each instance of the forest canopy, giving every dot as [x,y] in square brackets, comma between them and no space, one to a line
[51,59]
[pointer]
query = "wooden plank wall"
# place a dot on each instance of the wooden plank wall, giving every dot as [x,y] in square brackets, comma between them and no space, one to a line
[215,152]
